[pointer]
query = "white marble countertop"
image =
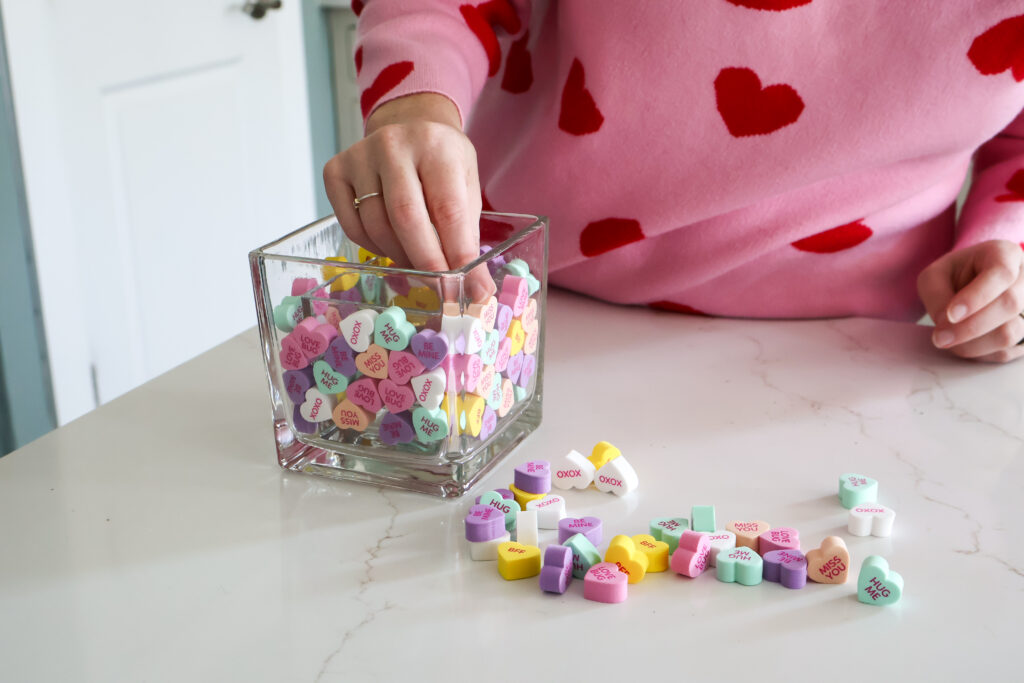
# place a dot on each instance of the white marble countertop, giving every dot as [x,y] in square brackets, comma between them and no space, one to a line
[156,539]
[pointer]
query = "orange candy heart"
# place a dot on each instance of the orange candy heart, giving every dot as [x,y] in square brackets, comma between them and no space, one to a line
[373,362]
[830,562]
[347,415]
[747,532]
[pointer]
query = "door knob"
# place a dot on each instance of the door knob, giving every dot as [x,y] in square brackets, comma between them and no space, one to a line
[258,9]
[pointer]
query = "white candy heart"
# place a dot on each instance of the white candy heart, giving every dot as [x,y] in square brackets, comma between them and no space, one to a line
[574,470]
[617,476]
[720,540]
[550,510]
[428,388]
[357,329]
[871,519]
[452,326]
[473,331]
[526,528]
[317,407]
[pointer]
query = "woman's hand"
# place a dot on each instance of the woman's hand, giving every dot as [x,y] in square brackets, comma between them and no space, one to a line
[428,213]
[975,296]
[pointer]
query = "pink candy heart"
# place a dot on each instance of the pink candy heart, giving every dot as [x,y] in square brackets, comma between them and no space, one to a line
[403,366]
[691,557]
[363,392]
[397,398]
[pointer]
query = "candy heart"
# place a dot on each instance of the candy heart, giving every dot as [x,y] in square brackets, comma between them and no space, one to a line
[403,366]
[747,532]
[630,560]
[297,382]
[373,362]
[396,398]
[495,395]
[484,523]
[602,453]
[532,337]
[526,374]
[451,328]
[517,267]
[533,476]
[503,319]
[532,284]
[292,357]
[584,554]
[557,571]
[473,332]
[473,408]
[508,398]
[428,388]
[523,497]
[497,261]
[398,284]
[351,295]
[869,519]
[616,476]
[514,366]
[588,526]
[431,425]
[396,429]
[691,556]
[484,382]
[514,293]
[329,381]
[487,312]
[740,565]
[788,567]
[357,329]
[526,527]
[856,489]
[529,315]
[488,550]
[365,393]
[720,540]
[669,529]
[550,510]
[517,336]
[348,415]
[301,424]
[429,347]
[521,394]
[425,298]
[369,285]
[391,330]
[317,406]
[506,507]
[502,357]
[365,255]
[489,352]
[703,518]
[655,550]
[472,369]
[829,563]
[288,313]
[505,493]
[877,584]
[605,583]
[344,278]
[779,538]
[573,470]
[307,286]
[489,424]
[518,561]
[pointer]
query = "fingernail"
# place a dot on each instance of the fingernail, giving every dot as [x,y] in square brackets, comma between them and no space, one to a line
[943,338]
[956,313]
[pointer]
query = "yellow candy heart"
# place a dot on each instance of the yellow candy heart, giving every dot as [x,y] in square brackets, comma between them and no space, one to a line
[602,454]
[631,560]
[523,497]
[366,255]
[518,561]
[655,550]
[425,298]
[517,336]
[348,279]
[474,406]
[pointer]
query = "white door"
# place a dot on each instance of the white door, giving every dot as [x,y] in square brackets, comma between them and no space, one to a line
[161,141]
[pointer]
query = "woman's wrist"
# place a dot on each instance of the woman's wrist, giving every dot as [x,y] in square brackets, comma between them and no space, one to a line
[414,108]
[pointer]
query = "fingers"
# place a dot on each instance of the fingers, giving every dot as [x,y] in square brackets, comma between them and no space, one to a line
[1004,337]
[408,218]
[341,194]
[997,267]
[936,288]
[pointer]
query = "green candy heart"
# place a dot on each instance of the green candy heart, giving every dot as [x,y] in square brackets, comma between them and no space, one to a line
[876,584]
[506,505]
[369,285]
[391,330]
[532,284]
[703,517]
[494,395]
[328,379]
[431,425]
[740,565]
[584,554]
[518,267]
[669,529]
[489,352]
[855,489]
[519,392]
[288,313]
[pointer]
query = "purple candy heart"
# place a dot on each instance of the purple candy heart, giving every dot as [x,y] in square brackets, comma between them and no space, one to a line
[341,357]
[496,263]
[489,422]
[529,367]
[505,493]
[352,295]
[788,567]
[399,284]
[484,523]
[396,428]
[503,319]
[297,382]
[302,425]
[588,526]
[430,348]
[514,367]
[533,476]
[557,571]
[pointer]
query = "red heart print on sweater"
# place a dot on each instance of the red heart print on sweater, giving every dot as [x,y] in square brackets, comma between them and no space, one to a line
[748,109]
[386,81]
[611,233]
[836,239]
[676,308]
[358,58]
[357,7]
[1000,48]
[1016,187]
[579,114]
[518,67]
[481,21]
[770,5]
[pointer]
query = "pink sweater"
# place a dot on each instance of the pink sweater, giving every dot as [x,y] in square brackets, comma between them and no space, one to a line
[763,158]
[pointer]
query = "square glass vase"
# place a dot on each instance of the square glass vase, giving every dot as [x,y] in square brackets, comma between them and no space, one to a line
[396,377]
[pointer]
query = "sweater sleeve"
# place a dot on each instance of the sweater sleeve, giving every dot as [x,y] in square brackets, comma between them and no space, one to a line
[994,208]
[448,47]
